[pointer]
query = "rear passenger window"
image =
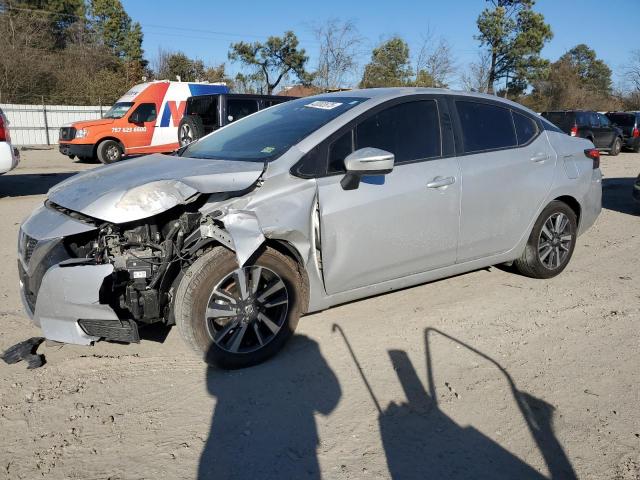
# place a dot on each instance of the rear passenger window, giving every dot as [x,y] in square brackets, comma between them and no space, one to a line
[485,127]
[526,128]
[411,131]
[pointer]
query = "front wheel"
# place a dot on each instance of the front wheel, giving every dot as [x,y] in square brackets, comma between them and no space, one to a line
[109,151]
[551,242]
[239,316]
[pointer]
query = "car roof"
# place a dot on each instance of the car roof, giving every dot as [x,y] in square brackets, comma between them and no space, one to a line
[383,94]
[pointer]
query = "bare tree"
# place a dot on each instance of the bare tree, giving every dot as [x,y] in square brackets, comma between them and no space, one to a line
[632,70]
[339,47]
[476,77]
[435,58]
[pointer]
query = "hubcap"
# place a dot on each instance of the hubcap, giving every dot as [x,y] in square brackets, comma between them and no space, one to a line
[186,135]
[247,309]
[555,240]
[113,153]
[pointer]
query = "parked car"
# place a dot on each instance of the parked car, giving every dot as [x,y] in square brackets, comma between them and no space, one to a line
[629,123]
[9,155]
[206,113]
[593,126]
[144,120]
[305,205]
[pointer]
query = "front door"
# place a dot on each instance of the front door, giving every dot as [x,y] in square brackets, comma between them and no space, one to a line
[395,225]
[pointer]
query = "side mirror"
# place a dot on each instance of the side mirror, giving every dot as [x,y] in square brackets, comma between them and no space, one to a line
[366,161]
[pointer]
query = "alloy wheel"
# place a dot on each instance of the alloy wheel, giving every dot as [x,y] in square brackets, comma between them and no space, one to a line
[554,243]
[113,153]
[186,135]
[247,309]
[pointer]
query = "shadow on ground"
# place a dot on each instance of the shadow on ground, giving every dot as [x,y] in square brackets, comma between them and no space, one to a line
[25,184]
[616,195]
[263,425]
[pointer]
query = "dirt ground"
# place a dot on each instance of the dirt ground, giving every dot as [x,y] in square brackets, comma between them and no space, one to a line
[484,375]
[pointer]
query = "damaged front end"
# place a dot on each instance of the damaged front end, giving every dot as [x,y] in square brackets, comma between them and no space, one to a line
[85,278]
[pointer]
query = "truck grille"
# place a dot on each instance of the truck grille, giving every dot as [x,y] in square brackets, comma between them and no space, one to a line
[67,133]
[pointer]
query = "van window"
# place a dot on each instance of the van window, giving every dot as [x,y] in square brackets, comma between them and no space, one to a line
[238,108]
[526,128]
[485,126]
[146,112]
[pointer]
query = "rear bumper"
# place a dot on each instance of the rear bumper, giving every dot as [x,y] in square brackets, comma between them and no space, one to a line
[9,157]
[76,150]
[632,143]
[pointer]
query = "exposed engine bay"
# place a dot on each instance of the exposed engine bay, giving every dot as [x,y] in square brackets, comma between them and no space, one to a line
[147,257]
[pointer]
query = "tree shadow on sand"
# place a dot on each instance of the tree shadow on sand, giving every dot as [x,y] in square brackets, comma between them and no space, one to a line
[263,426]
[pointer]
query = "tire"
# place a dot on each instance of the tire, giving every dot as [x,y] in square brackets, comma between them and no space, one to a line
[533,262]
[616,147]
[243,337]
[109,151]
[190,129]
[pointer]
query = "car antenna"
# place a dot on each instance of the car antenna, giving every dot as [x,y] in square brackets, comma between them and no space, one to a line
[355,360]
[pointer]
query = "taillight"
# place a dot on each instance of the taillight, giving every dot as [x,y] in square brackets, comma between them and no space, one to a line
[574,131]
[635,133]
[4,130]
[593,154]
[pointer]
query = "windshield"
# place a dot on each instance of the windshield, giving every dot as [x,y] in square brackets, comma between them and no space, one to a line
[622,119]
[118,110]
[269,133]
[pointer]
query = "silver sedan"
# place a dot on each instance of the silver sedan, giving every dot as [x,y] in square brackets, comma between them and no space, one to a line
[303,206]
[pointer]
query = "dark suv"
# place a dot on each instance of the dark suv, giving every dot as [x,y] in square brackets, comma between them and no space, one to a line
[629,123]
[206,113]
[593,126]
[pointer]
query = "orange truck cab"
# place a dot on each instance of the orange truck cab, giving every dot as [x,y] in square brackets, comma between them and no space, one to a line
[144,120]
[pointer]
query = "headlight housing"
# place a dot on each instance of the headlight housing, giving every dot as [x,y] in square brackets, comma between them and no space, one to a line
[153,198]
[81,133]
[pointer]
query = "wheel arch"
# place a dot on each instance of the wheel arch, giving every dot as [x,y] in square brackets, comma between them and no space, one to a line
[115,139]
[572,203]
[289,250]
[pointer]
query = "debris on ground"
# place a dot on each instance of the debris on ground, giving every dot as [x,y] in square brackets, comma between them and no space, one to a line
[26,351]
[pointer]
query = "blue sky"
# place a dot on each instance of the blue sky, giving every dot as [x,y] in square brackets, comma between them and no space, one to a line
[607,27]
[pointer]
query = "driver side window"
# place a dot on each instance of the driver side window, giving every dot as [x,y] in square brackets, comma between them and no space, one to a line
[146,112]
[411,131]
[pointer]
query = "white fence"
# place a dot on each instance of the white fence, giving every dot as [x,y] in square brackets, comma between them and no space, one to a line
[40,124]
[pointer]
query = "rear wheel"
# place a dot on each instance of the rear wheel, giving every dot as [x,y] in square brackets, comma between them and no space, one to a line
[190,129]
[109,151]
[616,147]
[239,316]
[551,243]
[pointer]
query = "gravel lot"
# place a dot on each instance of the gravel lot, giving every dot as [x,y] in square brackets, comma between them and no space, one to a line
[484,375]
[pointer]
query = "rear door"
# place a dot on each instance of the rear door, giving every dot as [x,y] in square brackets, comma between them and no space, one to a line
[507,170]
[394,225]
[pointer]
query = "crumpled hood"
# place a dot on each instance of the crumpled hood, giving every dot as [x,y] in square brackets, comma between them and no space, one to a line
[111,192]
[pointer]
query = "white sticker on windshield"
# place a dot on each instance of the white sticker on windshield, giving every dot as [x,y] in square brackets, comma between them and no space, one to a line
[323,105]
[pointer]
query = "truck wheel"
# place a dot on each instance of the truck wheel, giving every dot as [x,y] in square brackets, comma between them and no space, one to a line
[551,243]
[234,316]
[109,151]
[190,129]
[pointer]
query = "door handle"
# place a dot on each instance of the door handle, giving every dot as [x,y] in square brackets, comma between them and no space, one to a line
[440,182]
[540,157]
